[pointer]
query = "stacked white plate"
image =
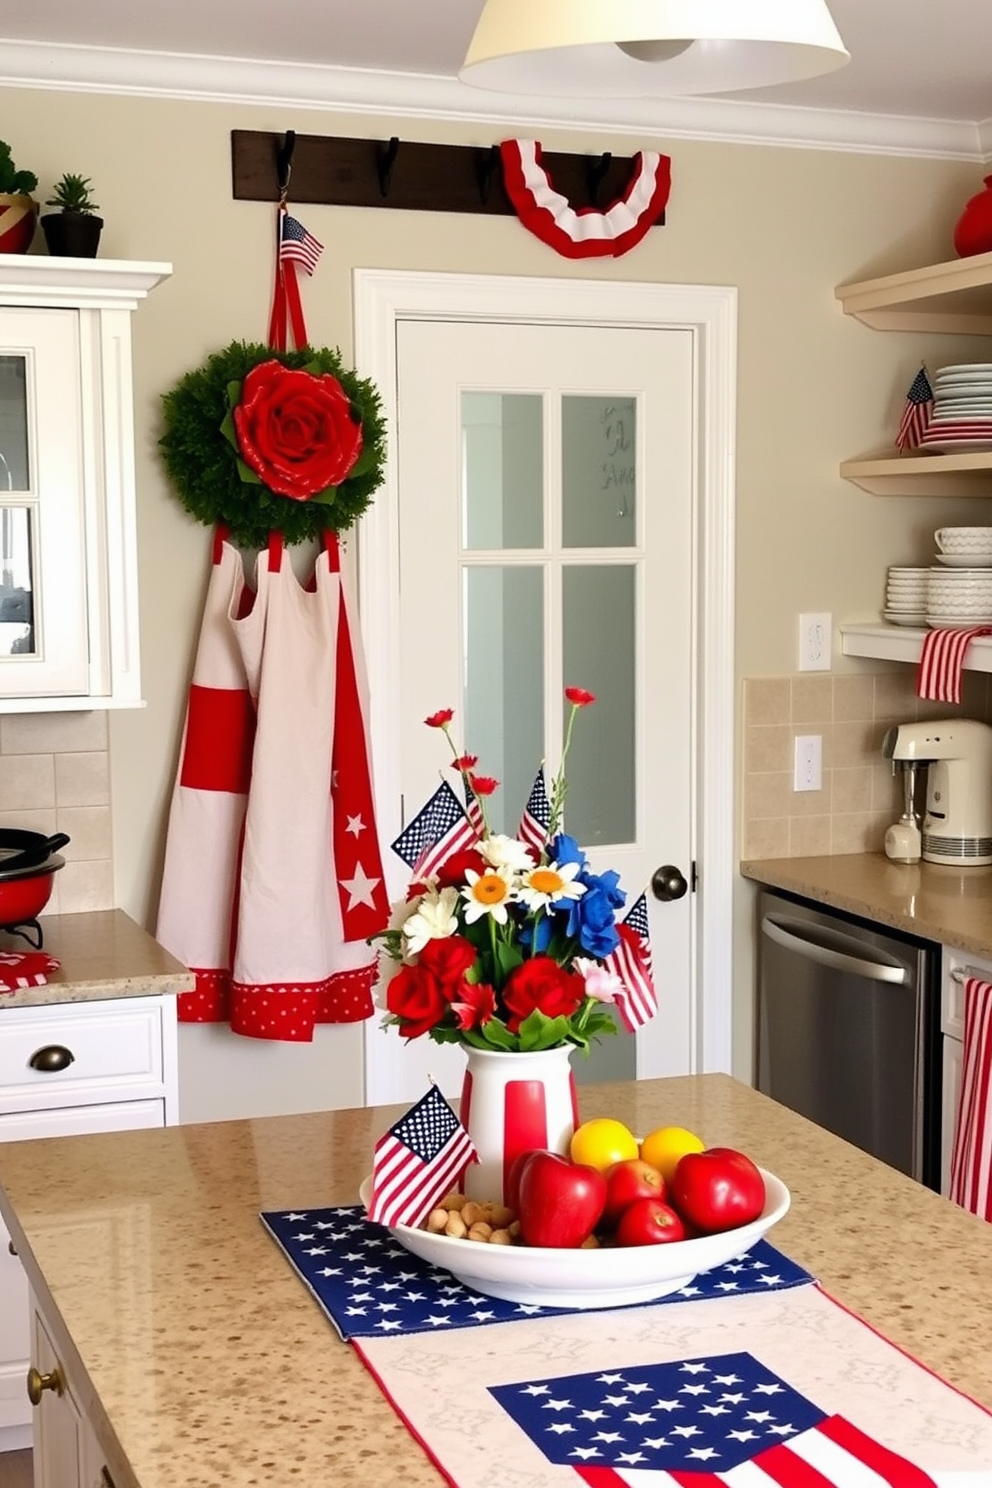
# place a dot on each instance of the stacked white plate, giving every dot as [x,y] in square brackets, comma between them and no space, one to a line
[958,598]
[962,409]
[906,596]
[964,547]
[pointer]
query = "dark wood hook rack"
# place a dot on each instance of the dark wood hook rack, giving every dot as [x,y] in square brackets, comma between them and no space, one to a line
[406,174]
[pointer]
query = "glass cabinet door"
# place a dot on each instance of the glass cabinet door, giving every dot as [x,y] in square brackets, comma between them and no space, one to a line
[43,632]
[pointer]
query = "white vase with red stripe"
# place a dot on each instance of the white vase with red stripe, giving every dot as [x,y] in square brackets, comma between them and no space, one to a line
[513,1103]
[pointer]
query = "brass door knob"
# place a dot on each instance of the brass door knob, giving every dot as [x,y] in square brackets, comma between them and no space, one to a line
[38,1383]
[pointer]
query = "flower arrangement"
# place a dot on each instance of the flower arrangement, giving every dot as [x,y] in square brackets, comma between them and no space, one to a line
[261,440]
[507,945]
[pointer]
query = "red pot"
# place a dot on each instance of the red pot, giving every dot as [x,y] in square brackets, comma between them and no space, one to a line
[18,216]
[24,896]
[973,233]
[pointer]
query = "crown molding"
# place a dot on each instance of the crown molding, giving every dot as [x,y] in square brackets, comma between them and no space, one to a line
[415,95]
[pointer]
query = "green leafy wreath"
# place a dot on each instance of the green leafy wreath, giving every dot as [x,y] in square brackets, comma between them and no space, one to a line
[213,456]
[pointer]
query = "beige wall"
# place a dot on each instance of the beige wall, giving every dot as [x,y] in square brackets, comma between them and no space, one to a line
[783,225]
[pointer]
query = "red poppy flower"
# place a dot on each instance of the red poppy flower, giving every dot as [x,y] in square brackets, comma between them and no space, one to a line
[440,718]
[476,1006]
[579,697]
[296,430]
[483,785]
[465,762]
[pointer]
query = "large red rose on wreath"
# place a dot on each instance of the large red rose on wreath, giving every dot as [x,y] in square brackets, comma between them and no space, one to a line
[296,430]
[541,984]
[415,997]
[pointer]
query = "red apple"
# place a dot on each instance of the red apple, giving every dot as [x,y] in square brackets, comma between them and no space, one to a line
[628,1181]
[559,1202]
[718,1189]
[649,1222]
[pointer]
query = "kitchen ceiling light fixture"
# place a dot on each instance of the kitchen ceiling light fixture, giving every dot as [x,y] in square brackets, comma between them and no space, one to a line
[645,48]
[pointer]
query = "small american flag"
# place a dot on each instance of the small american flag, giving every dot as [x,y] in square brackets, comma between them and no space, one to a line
[632,963]
[916,414]
[418,1161]
[440,828]
[534,823]
[296,245]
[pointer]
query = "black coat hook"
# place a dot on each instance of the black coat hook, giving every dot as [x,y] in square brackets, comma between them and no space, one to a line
[596,171]
[284,161]
[385,160]
[485,170]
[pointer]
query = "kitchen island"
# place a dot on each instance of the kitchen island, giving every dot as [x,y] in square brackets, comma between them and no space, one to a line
[200,1360]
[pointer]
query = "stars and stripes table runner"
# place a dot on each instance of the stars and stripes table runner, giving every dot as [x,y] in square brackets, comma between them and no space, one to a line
[370,1287]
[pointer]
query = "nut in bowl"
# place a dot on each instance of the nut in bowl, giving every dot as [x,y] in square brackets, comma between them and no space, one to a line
[586,1279]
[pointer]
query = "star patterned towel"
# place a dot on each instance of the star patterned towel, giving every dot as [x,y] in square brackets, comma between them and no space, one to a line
[370,1287]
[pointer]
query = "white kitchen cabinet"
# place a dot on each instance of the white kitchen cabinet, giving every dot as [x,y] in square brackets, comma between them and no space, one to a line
[107,1066]
[955,968]
[68,558]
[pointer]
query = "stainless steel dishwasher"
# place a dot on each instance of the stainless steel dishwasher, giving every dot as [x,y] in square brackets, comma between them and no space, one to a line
[848,1030]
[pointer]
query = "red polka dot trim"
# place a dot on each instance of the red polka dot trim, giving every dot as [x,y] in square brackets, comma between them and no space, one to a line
[209,1002]
[289,1012]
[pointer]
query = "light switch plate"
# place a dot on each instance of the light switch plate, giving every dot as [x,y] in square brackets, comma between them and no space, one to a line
[808,769]
[815,639]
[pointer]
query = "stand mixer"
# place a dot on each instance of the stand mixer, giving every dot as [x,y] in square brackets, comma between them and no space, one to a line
[957,824]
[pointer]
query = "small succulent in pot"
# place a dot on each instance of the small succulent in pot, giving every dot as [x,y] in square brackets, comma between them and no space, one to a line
[74,230]
[18,209]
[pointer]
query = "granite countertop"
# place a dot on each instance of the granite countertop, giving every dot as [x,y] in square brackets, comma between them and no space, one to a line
[949,905]
[204,1360]
[104,953]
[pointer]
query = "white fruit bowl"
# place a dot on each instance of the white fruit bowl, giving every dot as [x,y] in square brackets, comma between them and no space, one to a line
[611,1277]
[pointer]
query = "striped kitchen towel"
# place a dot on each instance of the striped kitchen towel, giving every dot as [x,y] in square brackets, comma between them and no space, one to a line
[942,660]
[971,1157]
[19,969]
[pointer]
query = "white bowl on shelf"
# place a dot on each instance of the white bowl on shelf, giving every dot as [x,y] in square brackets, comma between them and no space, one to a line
[915,618]
[608,1277]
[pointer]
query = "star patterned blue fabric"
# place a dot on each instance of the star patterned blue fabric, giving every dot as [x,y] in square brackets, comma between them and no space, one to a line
[370,1286]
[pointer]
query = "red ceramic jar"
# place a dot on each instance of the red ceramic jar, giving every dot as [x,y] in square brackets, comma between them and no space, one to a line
[973,233]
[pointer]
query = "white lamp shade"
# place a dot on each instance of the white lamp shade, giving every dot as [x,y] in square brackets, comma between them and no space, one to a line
[572,48]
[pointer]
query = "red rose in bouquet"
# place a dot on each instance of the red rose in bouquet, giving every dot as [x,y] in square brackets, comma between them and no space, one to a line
[541,984]
[415,997]
[448,959]
[296,430]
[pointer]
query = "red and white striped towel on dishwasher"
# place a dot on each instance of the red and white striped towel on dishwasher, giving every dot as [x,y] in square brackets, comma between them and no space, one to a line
[971,1157]
[941,661]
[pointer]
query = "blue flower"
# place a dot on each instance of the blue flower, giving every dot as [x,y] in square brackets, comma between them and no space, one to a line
[592,921]
[565,849]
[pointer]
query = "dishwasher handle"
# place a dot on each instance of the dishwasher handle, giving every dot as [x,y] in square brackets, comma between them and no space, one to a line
[874,971]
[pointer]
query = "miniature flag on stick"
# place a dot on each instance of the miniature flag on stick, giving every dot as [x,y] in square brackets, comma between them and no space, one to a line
[418,1161]
[632,963]
[296,245]
[916,414]
[533,828]
[442,827]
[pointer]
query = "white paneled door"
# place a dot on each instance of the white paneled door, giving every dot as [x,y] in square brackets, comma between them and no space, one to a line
[543,530]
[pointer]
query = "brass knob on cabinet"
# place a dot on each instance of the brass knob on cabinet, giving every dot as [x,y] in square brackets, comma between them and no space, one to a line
[51,1059]
[38,1382]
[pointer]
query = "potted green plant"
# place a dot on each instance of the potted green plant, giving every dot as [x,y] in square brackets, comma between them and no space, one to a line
[74,230]
[18,209]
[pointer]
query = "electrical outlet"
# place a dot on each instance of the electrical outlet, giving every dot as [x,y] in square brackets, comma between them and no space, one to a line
[815,637]
[808,767]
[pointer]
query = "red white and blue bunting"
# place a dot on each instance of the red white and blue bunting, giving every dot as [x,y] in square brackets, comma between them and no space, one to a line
[585,232]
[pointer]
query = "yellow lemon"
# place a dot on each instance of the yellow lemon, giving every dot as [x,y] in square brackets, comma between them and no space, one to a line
[601,1142]
[663,1147]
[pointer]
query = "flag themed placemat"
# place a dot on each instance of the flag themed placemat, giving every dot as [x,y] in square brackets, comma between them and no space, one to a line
[370,1287]
[779,1389]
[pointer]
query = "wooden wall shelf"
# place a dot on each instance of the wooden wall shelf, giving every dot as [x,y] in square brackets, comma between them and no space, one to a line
[410,175]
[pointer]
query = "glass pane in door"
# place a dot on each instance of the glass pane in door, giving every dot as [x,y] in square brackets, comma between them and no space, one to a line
[14,472]
[502,470]
[598,455]
[16,585]
[504,682]
[600,653]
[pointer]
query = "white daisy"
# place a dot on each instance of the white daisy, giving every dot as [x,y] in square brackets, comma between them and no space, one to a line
[543,886]
[506,852]
[487,893]
[434,918]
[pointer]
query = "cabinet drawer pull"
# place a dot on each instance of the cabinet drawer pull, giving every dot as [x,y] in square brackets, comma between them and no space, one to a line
[10,1247]
[38,1382]
[51,1059]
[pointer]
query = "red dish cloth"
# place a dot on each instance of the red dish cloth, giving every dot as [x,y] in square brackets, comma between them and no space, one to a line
[941,662]
[19,969]
[971,1157]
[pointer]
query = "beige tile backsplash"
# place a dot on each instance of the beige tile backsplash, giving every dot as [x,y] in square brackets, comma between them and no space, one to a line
[860,795]
[55,777]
